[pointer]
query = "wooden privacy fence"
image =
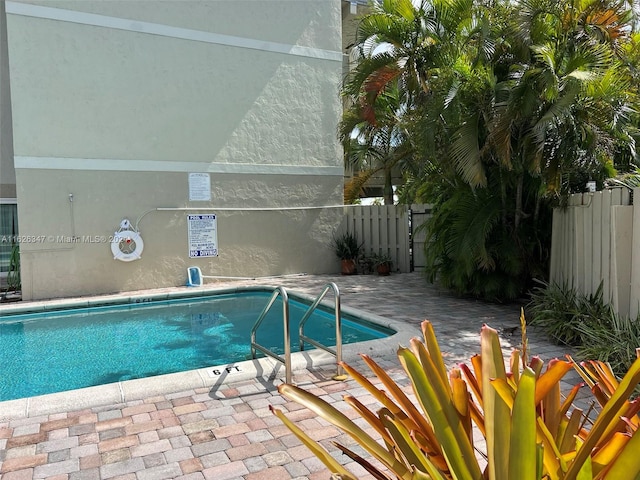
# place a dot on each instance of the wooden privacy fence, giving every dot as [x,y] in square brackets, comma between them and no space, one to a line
[596,239]
[388,229]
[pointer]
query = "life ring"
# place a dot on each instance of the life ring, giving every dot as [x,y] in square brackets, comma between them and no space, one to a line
[127,245]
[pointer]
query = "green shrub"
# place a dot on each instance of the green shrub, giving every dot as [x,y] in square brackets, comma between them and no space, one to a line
[564,314]
[474,248]
[614,341]
[587,323]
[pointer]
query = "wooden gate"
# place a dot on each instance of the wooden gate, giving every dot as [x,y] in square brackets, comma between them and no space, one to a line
[388,229]
[420,213]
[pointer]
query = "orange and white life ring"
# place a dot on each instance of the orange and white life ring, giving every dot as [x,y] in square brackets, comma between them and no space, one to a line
[127,246]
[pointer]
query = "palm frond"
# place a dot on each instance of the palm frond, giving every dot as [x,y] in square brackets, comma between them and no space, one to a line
[465,153]
[475,217]
[365,69]
[354,187]
[451,13]
[555,113]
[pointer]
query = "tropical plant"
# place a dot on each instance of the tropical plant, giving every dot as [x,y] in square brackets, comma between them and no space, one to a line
[401,44]
[586,322]
[516,102]
[374,149]
[530,432]
[13,276]
[614,340]
[473,249]
[630,180]
[561,311]
[346,246]
[381,259]
[399,47]
[382,262]
[564,89]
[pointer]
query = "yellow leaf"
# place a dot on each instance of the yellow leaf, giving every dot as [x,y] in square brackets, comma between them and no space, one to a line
[456,447]
[608,417]
[627,464]
[406,406]
[496,411]
[554,373]
[322,455]
[337,418]
[609,452]
[553,462]
[522,450]
[434,349]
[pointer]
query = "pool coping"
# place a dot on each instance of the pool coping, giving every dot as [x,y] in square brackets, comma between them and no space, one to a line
[213,377]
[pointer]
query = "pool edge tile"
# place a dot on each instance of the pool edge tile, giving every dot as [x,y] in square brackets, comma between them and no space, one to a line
[171,382]
[12,409]
[71,400]
[237,372]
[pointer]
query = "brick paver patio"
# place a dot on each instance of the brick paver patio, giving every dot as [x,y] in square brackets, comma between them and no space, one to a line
[230,433]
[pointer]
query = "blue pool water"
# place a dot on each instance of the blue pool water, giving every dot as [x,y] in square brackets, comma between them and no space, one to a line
[63,350]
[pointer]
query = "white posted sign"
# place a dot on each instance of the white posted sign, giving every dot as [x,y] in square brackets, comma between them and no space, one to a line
[199,187]
[203,235]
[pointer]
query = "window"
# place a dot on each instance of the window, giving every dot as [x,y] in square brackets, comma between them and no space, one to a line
[8,231]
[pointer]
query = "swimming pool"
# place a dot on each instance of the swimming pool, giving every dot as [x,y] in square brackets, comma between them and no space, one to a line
[72,348]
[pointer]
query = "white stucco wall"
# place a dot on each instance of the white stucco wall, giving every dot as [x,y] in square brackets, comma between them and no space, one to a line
[116,102]
[7,172]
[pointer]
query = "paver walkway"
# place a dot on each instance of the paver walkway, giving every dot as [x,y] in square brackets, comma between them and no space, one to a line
[230,433]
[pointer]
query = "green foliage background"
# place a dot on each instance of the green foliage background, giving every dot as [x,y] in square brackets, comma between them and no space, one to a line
[494,112]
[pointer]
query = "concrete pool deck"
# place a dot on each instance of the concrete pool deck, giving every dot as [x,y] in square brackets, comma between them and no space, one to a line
[225,430]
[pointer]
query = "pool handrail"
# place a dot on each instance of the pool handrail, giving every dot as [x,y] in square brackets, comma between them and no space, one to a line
[278,292]
[303,338]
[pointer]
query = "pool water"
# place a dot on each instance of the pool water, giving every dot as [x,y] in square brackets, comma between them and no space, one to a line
[64,350]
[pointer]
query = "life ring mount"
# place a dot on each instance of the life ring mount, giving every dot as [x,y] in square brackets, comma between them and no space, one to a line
[127,244]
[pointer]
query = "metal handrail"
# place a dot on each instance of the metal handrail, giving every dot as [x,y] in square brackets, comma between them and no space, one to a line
[303,338]
[280,291]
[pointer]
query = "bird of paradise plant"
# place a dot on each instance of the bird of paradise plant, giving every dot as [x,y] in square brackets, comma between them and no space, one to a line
[531,432]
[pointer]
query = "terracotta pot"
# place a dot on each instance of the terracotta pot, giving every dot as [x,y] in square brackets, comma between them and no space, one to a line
[384,269]
[348,266]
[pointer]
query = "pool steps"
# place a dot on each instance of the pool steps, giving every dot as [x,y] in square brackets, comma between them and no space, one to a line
[286,360]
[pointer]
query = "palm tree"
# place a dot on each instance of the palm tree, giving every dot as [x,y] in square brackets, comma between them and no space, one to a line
[402,45]
[584,92]
[566,100]
[374,149]
[505,105]
[400,49]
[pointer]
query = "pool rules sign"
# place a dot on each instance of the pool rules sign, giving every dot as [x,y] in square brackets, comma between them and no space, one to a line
[203,235]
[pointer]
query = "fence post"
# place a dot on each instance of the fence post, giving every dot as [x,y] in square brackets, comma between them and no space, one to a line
[634,301]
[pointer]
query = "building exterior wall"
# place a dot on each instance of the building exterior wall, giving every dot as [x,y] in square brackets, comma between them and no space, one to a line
[116,102]
[7,172]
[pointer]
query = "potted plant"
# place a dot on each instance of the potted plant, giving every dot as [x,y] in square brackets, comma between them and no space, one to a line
[382,263]
[347,249]
[365,264]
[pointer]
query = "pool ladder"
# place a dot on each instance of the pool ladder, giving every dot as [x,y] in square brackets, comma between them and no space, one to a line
[286,360]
